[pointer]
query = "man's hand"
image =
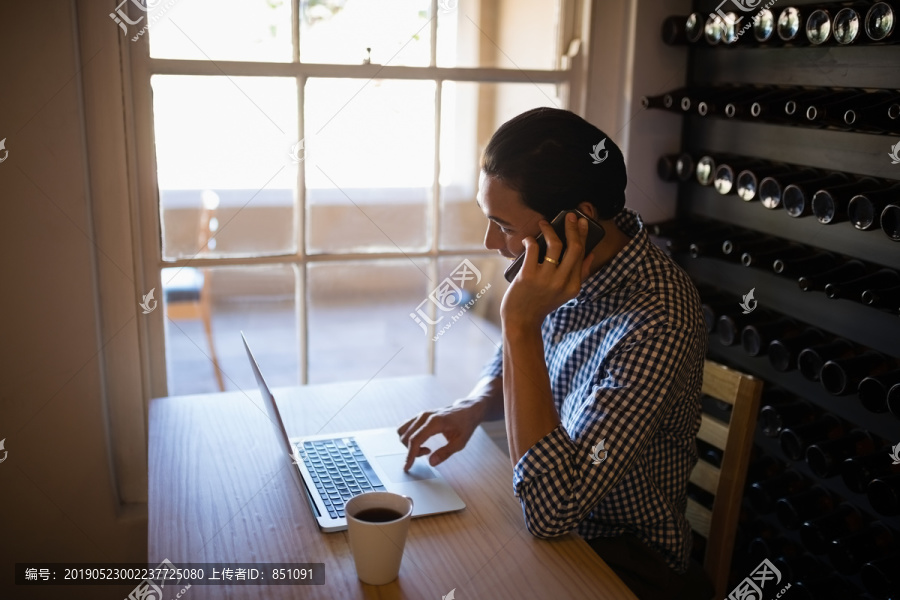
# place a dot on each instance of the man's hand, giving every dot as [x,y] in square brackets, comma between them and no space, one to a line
[539,289]
[457,422]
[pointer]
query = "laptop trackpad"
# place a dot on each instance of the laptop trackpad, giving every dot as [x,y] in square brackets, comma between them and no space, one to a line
[392,466]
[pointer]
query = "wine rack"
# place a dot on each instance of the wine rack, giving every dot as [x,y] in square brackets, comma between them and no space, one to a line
[868,67]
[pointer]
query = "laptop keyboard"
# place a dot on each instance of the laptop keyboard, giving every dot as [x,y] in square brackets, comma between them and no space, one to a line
[339,471]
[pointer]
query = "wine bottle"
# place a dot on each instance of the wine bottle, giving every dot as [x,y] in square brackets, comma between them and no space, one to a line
[770,107]
[818,26]
[713,307]
[718,409]
[795,440]
[761,548]
[884,495]
[881,22]
[818,533]
[853,288]
[665,167]
[796,197]
[811,360]
[678,30]
[736,245]
[893,400]
[684,166]
[873,390]
[863,209]
[890,221]
[851,552]
[841,376]
[771,188]
[714,30]
[668,101]
[859,471]
[748,179]
[764,468]
[795,108]
[842,273]
[712,101]
[764,259]
[847,26]
[881,576]
[874,115]
[790,24]
[712,244]
[784,350]
[755,337]
[829,205]
[825,458]
[764,26]
[728,327]
[829,110]
[763,494]
[774,418]
[705,170]
[804,566]
[796,267]
[726,173]
[884,298]
[809,504]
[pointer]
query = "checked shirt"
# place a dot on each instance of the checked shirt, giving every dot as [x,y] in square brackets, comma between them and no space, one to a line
[625,359]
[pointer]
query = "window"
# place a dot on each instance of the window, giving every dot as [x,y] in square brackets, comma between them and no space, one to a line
[311,167]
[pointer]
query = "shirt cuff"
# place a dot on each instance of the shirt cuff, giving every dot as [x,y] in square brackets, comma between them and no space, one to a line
[550,454]
[494,368]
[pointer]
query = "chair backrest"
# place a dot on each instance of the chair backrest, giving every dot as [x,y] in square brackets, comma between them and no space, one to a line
[735,439]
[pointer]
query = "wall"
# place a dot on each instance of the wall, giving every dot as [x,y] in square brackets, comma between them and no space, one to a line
[58,498]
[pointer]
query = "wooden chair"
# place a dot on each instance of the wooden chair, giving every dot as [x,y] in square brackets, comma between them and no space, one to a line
[187,293]
[719,525]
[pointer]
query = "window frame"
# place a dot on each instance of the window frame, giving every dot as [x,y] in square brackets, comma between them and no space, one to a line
[146,229]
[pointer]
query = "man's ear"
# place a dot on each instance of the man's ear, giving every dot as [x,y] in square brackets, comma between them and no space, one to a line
[588,209]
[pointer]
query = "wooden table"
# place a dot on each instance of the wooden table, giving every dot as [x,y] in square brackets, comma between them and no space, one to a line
[221,491]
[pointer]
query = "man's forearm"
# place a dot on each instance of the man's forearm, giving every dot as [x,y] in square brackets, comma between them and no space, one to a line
[527,396]
[487,395]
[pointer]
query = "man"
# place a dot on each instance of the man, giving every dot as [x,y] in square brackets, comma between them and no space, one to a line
[602,357]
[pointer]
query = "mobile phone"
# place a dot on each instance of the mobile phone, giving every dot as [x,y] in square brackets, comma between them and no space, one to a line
[595,234]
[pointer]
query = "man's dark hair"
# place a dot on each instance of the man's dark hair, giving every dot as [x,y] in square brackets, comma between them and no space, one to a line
[545,155]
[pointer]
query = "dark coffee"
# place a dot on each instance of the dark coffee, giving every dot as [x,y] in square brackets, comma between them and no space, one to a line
[377,515]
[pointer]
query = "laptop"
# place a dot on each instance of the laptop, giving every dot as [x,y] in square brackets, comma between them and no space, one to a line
[334,467]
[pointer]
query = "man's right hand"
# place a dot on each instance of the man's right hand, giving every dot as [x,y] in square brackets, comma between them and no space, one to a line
[456,422]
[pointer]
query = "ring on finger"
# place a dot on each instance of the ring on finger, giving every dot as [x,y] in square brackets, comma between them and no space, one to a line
[552,261]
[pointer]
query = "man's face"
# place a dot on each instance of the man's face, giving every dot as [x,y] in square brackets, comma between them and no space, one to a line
[509,220]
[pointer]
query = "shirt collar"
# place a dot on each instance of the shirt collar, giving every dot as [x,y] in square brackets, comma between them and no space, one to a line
[611,275]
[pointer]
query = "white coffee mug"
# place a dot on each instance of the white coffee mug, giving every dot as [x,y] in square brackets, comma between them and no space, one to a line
[377,523]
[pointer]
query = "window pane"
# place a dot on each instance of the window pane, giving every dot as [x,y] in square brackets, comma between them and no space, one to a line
[468,343]
[245,30]
[223,164]
[509,34]
[260,301]
[359,323]
[369,165]
[470,114]
[339,32]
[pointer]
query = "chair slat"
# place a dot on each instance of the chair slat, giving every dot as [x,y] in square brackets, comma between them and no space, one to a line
[699,516]
[712,431]
[705,476]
